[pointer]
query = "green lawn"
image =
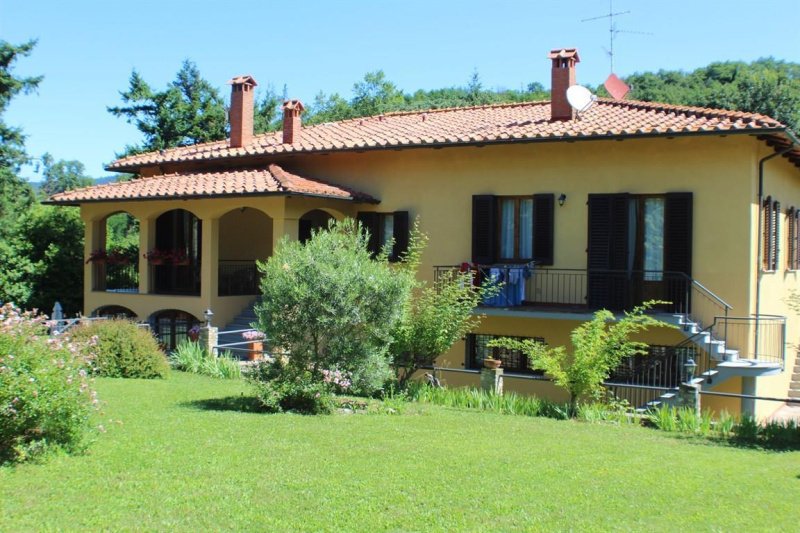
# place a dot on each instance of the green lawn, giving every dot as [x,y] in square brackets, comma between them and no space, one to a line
[174,464]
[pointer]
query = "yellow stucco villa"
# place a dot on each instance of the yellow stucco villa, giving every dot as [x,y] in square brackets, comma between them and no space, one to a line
[624,202]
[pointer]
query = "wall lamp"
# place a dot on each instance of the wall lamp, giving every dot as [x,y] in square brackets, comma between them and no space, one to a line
[562,199]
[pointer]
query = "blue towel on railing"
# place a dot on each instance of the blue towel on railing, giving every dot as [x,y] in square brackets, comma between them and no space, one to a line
[513,291]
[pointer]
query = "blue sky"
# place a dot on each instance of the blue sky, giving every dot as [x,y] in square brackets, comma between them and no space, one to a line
[87,49]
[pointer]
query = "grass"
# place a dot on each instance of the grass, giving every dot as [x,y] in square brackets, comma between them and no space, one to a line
[191,454]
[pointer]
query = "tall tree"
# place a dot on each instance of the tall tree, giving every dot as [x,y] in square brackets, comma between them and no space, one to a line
[189,111]
[375,94]
[766,86]
[15,193]
[61,175]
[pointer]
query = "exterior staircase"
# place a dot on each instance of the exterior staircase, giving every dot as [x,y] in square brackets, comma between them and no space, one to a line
[717,359]
[794,386]
[230,337]
[244,319]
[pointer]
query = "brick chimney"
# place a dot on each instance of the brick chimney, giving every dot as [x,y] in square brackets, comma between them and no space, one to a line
[292,123]
[563,77]
[241,114]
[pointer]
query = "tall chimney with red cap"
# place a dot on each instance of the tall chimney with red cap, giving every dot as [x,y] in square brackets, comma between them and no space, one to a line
[563,77]
[241,115]
[292,123]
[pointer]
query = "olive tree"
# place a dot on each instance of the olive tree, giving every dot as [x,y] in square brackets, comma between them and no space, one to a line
[331,305]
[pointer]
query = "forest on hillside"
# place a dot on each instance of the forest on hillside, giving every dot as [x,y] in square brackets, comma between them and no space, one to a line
[41,247]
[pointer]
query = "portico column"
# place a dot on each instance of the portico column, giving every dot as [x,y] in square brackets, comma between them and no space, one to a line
[147,241]
[284,227]
[209,263]
[94,239]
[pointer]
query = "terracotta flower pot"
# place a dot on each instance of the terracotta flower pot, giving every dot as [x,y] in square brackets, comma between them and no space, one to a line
[492,363]
[256,349]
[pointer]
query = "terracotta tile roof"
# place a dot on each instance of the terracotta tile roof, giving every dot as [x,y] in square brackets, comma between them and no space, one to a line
[259,181]
[519,122]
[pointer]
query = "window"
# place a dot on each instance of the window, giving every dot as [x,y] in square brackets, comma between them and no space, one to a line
[513,360]
[512,229]
[770,222]
[793,234]
[383,227]
[653,239]
[516,228]
[171,327]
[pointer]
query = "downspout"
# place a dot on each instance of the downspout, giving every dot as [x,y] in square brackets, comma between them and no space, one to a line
[759,270]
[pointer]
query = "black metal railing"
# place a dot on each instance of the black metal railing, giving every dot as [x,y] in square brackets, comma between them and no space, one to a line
[636,396]
[116,277]
[615,290]
[755,338]
[178,279]
[238,278]
[662,366]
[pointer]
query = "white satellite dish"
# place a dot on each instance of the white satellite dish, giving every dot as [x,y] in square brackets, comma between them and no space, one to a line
[580,98]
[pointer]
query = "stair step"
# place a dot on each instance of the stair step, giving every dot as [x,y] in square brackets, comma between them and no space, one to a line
[794,393]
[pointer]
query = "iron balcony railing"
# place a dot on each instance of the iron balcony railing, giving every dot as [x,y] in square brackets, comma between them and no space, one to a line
[238,278]
[616,290]
[116,277]
[757,338]
[178,279]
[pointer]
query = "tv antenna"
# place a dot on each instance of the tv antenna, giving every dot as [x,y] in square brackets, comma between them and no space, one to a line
[613,31]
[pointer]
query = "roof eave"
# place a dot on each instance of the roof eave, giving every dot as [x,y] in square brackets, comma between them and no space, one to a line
[76,203]
[450,144]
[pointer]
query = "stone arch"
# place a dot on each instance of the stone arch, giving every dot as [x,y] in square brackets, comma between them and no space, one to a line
[245,236]
[171,326]
[313,220]
[114,311]
[115,253]
[175,253]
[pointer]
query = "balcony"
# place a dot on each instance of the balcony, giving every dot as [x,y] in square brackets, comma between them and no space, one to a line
[115,277]
[238,278]
[527,287]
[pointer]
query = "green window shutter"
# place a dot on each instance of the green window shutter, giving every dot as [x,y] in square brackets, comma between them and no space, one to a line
[484,229]
[678,232]
[543,228]
[369,222]
[401,231]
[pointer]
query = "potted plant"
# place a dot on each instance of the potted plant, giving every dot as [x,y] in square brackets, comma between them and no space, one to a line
[156,256]
[117,258]
[491,362]
[180,258]
[97,256]
[256,346]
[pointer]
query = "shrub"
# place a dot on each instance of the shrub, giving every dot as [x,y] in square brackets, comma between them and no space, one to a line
[283,388]
[123,349]
[46,397]
[191,357]
[598,347]
[435,317]
[330,304]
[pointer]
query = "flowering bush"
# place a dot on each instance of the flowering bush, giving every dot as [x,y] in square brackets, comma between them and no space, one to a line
[169,257]
[282,388]
[337,379]
[46,395]
[121,349]
[253,335]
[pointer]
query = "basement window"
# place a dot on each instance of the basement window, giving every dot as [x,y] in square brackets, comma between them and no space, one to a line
[514,361]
